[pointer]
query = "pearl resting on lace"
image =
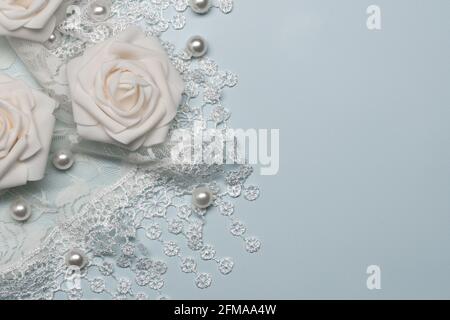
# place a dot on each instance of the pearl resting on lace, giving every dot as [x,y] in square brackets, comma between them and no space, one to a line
[100,10]
[197,46]
[202,198]
[200,6]
[63,160]
[52,38]
[54,41]
[76,258]
[20,210]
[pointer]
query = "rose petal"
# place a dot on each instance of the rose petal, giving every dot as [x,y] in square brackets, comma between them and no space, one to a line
[156,136]
[12,158]
[131,134]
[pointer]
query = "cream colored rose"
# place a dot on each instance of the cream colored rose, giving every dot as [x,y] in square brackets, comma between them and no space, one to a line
[26,128]
[28,19]
[125,91]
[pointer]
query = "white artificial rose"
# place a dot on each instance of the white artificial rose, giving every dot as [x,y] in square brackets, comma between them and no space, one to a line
[26,128]
[28,19]
[125,91]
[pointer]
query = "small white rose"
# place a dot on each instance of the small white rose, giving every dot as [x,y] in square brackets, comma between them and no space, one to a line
[125,91]
[26,128]
[28,19]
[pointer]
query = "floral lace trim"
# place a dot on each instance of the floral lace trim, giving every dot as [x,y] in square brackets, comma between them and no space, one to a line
[108,229]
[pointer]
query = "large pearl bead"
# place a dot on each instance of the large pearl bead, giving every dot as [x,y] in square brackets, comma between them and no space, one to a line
[76,258]
[100,10]
[63,160]
[200,6]
[20,211]
[202,198]
[197,46]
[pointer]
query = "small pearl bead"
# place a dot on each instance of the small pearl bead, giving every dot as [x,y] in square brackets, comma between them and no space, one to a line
[53,41]
[202,198]
[52,38]
[200,6]
[63,160]
[197,46]
[20,211]
[99,10]
[76,258]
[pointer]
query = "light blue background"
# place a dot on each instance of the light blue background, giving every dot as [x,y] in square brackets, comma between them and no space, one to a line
[365,159]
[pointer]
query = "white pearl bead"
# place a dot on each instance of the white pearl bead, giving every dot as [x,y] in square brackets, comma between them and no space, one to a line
[200,6]
[53,41]
[20,211]
[197,46]
[76,258]
[52,38]
[202,197]
[63,160]
[100,10]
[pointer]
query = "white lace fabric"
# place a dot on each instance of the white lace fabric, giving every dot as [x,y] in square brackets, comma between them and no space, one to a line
[113,203]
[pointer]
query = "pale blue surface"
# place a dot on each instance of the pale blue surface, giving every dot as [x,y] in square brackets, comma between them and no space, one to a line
[365,158]
[365,163]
